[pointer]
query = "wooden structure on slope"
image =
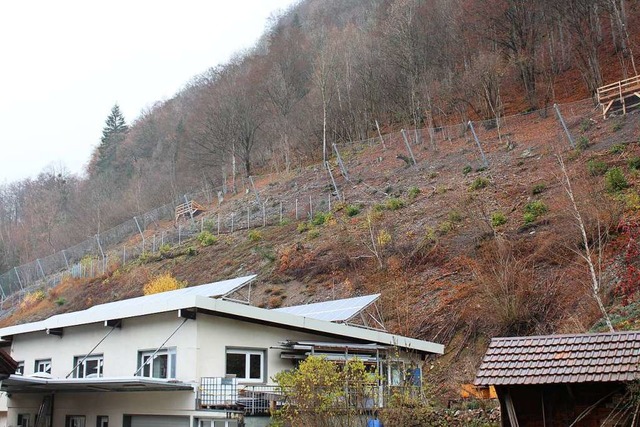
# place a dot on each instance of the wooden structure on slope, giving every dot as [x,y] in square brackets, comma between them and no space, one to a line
[189,208]
[619,96]
[583,380]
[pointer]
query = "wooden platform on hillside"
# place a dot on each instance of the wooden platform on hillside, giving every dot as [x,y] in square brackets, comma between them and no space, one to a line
[620,96]
[189,208]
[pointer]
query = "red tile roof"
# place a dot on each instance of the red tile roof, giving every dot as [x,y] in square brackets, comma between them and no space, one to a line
[561,359]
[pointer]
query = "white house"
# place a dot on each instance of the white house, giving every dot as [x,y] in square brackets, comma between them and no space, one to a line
[190,357]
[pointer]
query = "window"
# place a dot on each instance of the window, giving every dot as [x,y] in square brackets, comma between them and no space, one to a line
[23,420]
[246,365]
[103,421]
[20,368]
[89,367]
[163,364]
[75,421]
[43,366]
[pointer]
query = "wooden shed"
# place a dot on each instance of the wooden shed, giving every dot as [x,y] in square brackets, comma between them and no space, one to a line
[583,380]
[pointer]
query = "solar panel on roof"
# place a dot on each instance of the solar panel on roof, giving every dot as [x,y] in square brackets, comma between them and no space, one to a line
[332,311]
[113,309]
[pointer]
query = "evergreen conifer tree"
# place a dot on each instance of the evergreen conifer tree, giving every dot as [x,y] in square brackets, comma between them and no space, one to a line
[113,133]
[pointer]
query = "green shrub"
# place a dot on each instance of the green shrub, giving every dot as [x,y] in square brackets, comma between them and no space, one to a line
[413,192]
[206,238]
[529,217]
[455,216]
[393,204]
[538,189]
[466,170]
[164,249]
[313,233]
[617,149]
[255,235]
[634,163]
[479,183]
[533,210]
[445,227]
[60,301]
[615,180]
[498,219]
[321,218]
[352,210]
[597,167]
[285,221]
[191,251]
[583,143]
[302,227]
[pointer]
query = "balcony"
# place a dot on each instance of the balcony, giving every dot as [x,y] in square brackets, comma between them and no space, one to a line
[217,393]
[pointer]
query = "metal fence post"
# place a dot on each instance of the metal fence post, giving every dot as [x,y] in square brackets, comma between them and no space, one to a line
[406,142]
[18,276]
[564,126]
[473,131]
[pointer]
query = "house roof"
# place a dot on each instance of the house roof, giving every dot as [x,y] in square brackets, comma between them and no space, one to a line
[7,365]
[198,297]
[579,358]
[332,311]
[132,307]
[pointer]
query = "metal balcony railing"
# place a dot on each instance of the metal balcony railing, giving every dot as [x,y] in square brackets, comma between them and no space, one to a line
[226,393]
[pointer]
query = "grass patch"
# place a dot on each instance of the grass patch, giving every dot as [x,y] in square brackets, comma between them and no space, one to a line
[498,219]
[479,184]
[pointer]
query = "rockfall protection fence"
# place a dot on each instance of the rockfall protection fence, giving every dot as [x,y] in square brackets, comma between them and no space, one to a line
[484,143]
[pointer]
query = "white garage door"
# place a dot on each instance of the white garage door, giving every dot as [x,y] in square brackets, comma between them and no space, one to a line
[158,421]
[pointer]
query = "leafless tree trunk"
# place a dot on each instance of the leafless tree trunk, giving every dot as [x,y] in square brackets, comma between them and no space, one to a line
[587,255]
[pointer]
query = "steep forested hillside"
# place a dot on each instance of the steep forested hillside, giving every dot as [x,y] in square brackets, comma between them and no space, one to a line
[460,252]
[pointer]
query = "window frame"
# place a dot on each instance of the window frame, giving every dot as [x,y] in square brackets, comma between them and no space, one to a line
[83,365]
[169,352]
[21,418]
[38,362]
[248,352]
[20,368]
[69,421]
[101,420]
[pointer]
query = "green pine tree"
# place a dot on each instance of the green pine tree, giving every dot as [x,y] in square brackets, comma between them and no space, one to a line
[114,131]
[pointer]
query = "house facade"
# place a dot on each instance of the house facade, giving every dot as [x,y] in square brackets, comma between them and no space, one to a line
[182,358]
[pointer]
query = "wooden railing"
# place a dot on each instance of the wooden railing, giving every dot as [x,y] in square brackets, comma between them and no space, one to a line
[189,208]
[619,92]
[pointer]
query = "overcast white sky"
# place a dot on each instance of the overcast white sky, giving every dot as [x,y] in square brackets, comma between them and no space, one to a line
[65,63]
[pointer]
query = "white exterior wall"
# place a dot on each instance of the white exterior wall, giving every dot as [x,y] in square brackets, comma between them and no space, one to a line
[215,334]
[120,348]
[200,352]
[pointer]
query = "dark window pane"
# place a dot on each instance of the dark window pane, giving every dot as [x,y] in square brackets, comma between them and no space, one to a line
[236,365]
[160,366]
[255,363]
[91,367]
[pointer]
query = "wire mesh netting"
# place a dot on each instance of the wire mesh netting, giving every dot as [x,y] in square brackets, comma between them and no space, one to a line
[479,144]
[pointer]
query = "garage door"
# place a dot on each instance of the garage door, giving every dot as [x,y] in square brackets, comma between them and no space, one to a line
[158,421]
